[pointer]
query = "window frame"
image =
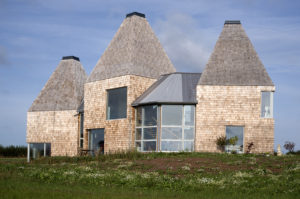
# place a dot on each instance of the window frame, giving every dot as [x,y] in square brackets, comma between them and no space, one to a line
[182,126]
[271,100]
[142,127]
[243,132]
[107,103]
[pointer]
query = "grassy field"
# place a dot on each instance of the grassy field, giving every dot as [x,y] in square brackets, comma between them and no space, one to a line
[153,175]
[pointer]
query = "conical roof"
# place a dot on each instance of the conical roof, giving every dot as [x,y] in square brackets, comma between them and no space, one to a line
[134,50]
[234,60]
[64,89]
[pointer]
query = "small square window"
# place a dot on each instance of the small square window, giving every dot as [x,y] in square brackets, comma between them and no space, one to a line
[116,103]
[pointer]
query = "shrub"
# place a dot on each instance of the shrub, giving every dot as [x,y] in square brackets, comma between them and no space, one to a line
[289,146]
[249,147]
[221,142]
[13,151]
[232,140]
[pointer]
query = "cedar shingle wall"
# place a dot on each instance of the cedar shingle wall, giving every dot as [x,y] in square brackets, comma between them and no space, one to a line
[60,128]
[119,133]
[219,106]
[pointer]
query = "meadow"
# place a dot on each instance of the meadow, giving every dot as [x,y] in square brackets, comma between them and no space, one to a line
[152,175]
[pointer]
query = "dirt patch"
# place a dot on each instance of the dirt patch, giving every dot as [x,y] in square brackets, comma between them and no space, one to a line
[201,164]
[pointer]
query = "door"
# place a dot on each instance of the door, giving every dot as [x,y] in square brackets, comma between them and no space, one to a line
[96,141]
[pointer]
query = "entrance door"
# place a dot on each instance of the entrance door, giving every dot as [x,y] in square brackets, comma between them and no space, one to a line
[96,141]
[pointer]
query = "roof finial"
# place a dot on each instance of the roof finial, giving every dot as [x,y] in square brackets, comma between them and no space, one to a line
[232,22]
[71,57]
[137,14]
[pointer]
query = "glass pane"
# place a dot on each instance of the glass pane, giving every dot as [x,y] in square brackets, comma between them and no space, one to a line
[188,146]
[189,114]
[36,150]
[232,131]
[48,149]
[81,125]
[149,133]
[266,104]
[171,133]
[150,115]
[138,134]
[150,146]
[117,103]
[81,143]
[171,115]
[96,140]
[139,116]
[138,146]
[171,145]
[189,133]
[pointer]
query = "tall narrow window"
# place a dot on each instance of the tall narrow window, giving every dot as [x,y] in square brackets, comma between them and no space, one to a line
[267,104]
[146,128]
[116,103]
[81,130]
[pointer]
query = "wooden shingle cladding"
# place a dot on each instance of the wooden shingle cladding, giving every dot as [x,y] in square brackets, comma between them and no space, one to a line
[234,61]
[119,133]
[52,116]
[221,106]
[229,93]
[63,90]
[134,50]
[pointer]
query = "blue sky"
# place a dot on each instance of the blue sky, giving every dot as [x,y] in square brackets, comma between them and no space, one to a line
[35,34]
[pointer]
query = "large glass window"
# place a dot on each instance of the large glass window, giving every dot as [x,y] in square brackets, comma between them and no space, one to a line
[177,130]
[116,103]
[38,150]
[96,141]
[146,128]
[235,138]
[267,104]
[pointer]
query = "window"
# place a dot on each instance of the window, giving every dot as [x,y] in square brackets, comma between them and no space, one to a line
[81,130]
[177,130]
[235,138]
[116,103]
[146,128]
[267,104]
[38,150]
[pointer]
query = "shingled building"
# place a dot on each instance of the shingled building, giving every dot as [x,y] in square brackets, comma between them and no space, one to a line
[134,98]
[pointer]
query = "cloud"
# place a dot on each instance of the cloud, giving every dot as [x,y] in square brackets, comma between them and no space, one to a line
[185,43]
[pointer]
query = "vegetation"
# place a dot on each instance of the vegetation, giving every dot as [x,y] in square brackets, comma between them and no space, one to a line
[221,142]
[152,175]
[13,151]
[289,146]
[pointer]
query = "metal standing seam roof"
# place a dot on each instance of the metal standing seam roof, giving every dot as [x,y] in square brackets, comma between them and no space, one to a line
[174,88]
[64,89]
[134,50]
[234,60]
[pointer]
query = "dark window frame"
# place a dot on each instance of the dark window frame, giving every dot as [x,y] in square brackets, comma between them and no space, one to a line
[108,115]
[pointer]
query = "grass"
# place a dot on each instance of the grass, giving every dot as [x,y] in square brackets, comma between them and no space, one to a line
[152,175]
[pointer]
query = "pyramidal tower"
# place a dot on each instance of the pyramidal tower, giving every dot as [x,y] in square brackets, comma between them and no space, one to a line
[131,63]
[134,50]
[234,60]
[231,92]
[51,118]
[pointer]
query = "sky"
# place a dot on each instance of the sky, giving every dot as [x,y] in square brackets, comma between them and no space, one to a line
[35,34]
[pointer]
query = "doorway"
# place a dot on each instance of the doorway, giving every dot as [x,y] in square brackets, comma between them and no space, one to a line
[96,141]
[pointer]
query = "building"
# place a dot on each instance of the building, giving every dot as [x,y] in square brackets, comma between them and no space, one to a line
[134,98]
